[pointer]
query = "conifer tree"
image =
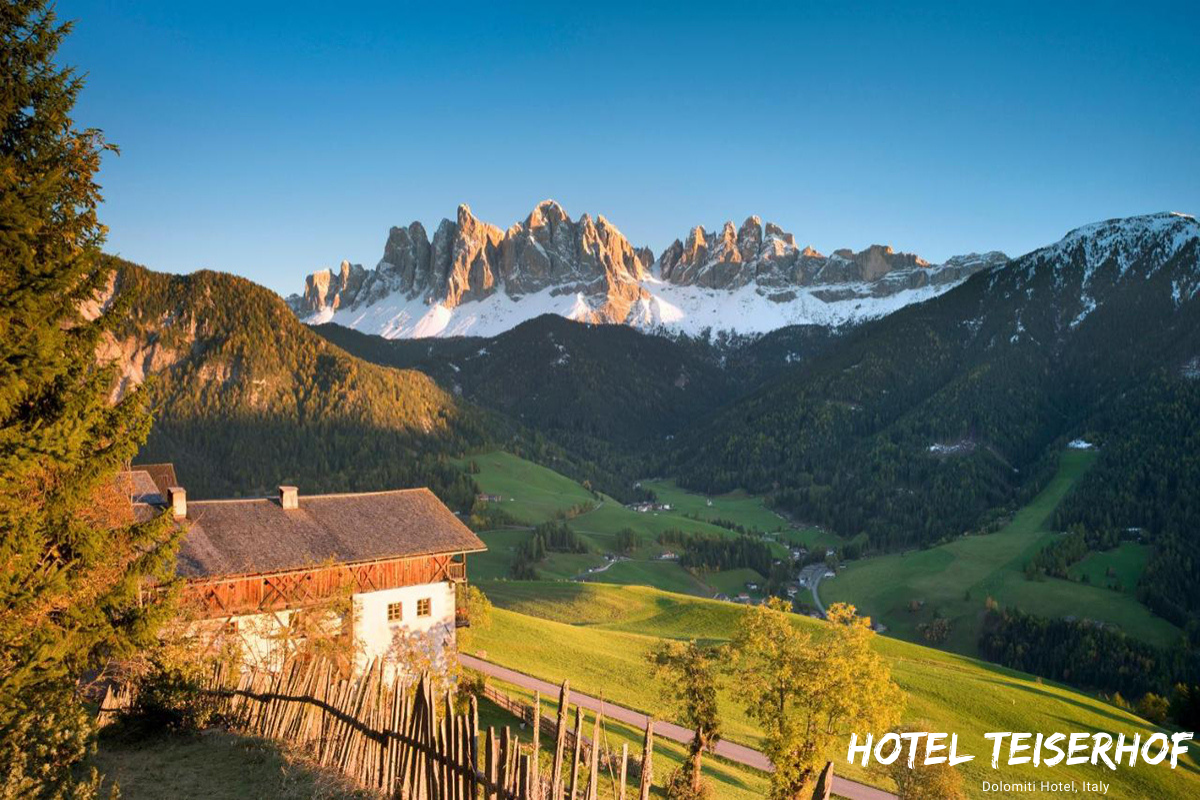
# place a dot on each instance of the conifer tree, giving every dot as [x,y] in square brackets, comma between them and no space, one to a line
[72,558]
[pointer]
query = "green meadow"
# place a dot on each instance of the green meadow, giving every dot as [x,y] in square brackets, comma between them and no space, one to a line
[598,636]
[1126,562]
[532,494]
[954,580]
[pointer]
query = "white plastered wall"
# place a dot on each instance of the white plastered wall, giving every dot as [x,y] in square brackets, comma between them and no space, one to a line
[374,634]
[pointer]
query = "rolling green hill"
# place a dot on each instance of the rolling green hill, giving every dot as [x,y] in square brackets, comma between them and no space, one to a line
[597,637]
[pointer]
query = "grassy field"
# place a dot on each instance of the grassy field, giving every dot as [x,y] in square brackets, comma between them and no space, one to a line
[1127,561]
[732,582]
[598,637]
[501,552]
[956,579]
[214,765]
[739,507]
[532,494]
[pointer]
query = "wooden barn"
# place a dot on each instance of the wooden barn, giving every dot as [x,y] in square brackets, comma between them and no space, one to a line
[368,571]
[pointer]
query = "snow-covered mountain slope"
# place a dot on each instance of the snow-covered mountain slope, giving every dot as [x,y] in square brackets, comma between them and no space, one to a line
[475,280]
[689,310]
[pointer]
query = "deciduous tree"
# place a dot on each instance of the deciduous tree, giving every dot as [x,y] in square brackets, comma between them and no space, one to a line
[690,684]
[807,692]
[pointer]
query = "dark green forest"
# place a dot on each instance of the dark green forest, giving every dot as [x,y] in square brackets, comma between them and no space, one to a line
[1084,653]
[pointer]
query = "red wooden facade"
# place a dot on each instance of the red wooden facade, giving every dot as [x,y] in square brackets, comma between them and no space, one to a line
[250,594]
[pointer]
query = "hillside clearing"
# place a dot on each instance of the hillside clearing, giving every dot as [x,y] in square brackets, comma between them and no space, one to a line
[954,580]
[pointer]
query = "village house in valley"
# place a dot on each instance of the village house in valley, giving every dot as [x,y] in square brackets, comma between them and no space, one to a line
[366,570]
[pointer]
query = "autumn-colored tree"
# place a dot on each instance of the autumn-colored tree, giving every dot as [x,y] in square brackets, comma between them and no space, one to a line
[808,692]
[1154,708]
[69,576]
[690,683]
[926,781]
[478,608]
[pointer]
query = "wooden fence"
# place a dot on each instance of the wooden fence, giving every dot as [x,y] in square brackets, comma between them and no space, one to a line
[405,742]
[532,716]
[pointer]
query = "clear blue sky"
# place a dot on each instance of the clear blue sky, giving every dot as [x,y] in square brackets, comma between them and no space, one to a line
[270,140]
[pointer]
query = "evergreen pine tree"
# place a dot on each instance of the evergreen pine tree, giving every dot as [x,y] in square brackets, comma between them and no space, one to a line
[72,558]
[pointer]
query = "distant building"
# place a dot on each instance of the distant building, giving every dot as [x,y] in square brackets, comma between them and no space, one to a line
[489,498]
[669,556]
[253,567]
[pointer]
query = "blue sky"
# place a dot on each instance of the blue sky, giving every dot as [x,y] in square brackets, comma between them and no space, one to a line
[273,139]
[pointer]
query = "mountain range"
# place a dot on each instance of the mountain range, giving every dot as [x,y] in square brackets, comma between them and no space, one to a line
[472,278]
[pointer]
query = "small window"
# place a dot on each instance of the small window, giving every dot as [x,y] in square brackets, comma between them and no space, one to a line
[395,612]
[424,607]
[231,626]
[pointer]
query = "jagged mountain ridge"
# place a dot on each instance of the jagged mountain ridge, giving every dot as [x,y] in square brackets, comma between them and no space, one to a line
[474,279]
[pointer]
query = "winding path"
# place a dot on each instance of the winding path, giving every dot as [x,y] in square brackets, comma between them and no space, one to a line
[852,790]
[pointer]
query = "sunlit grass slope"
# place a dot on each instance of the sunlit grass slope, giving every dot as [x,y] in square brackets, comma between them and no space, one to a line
[598,637]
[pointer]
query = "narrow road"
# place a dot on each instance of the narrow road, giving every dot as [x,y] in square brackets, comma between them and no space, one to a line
[811,576]
[852,790]
[816,597]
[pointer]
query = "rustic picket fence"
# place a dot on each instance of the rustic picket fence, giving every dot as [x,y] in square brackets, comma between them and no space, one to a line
[404,741]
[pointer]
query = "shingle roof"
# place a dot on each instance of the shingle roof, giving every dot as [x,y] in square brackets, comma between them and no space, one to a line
[238,537]
[163,475]
[141,486]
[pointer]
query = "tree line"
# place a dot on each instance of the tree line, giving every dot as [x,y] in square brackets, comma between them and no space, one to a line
[1092,655]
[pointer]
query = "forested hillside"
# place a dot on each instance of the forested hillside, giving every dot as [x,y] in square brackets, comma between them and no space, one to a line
[610,395]
[944,416]
[245,397]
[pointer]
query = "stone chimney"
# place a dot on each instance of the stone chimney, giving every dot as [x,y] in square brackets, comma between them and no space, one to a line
[289,497]
[177,497]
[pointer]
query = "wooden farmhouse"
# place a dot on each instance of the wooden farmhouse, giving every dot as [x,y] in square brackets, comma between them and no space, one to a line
[376,573]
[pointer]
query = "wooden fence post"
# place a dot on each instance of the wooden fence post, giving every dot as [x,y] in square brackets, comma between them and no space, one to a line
[577,751]
[624,768]
[824,783]
[594,764]
[647,757]
[556,779]
[535,778]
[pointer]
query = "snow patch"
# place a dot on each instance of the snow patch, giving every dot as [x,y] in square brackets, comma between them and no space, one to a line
[667,307]
[1080,444]
[1089,305]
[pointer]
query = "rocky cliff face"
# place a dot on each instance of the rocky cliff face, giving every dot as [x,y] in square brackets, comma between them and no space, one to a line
[587,270]
[769,256]
[470,260]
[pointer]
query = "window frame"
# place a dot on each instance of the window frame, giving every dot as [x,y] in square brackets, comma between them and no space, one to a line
[427,604]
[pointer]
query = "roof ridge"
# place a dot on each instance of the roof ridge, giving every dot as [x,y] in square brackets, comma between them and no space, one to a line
[303,496]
